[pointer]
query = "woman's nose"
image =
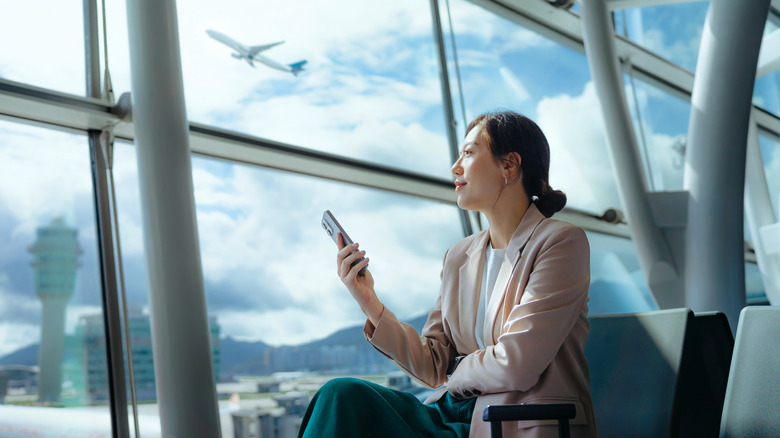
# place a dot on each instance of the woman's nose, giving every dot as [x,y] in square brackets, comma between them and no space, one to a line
[456,169]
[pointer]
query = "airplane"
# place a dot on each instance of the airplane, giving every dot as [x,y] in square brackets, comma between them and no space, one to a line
[252,53]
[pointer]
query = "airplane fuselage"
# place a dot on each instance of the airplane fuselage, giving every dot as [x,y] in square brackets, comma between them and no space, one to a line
[246,53]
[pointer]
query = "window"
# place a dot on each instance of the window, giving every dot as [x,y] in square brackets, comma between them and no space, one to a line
[617,284]
[503,65]
[661,129]
[44,44]
[369,90]
[766,91]
[770,153]
[672,31]
[277,306]
[49,283]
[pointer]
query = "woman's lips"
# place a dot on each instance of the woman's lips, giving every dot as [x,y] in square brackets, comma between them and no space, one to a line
[459,185]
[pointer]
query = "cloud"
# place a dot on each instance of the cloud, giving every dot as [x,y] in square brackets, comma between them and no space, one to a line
[579,158]
[514,84]
[32,55]
[270,254]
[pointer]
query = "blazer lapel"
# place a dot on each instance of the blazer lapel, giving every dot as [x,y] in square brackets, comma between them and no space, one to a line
[522,234]
[470,282]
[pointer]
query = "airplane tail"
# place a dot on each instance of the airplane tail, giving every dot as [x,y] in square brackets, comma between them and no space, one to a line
[297,67]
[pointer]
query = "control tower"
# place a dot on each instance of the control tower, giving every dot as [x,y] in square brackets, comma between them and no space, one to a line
[55,261]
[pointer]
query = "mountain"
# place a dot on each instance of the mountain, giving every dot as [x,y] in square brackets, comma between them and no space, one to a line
[24,356]
[354,335]
[343,350]
[240,357]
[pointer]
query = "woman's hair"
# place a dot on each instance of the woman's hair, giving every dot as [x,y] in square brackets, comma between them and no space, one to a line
[507,132]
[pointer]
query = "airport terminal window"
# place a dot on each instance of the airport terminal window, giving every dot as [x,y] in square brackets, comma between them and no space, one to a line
[279,314]
[51,314]
[43,44]
[507,66]
[661,126]
[672,31]
[369,89]
[766,91]
[770,153]
[754,285]
[617,284]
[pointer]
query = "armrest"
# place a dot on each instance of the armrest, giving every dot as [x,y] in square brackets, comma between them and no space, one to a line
[561,412]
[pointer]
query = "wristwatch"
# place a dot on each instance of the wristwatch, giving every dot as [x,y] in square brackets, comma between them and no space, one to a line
[453,364]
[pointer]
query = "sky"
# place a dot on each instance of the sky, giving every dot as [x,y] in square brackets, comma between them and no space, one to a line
[370,91]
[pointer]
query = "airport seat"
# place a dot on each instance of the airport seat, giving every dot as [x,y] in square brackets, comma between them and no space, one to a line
[752,402]
[658,374]
[653,374]
[701,384]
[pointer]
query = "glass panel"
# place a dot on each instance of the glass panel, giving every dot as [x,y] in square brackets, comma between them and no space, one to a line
[672,31]
[766,91]
[282,321]
[661,126]
[369,90]
[44,44]
[617,284]
[503,65]
[49,287]
[754,285]
[770,153]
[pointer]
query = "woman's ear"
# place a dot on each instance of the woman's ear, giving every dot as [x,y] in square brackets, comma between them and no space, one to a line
[512,167]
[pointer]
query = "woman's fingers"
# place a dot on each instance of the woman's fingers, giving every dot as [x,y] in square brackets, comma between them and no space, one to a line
[344,251]
[346,262]
[353,271]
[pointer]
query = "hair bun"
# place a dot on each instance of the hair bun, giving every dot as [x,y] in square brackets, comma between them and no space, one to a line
[550,201]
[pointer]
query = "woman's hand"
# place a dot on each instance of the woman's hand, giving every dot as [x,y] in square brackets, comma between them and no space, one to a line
[361,288]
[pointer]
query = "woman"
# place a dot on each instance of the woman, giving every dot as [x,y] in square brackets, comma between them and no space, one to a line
[510,322]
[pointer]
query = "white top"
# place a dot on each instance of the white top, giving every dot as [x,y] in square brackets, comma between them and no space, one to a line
[493,260]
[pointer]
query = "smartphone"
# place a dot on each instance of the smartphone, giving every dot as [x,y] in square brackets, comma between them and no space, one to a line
[333,228]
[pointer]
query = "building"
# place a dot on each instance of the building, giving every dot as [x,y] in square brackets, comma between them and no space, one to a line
[55,261]
[88,342]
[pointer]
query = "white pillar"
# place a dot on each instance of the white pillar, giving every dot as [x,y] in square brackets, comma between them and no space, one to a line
[186,391]
[715,156]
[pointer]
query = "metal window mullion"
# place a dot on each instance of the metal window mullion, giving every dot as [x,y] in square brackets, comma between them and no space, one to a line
[111,318]
[449,115]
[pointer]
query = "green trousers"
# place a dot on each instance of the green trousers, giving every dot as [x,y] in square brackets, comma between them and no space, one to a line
[353,408]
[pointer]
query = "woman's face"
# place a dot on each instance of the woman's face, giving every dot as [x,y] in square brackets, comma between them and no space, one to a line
[478,175]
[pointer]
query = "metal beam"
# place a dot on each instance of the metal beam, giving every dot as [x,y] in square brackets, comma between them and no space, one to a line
[625,4]
[103,225]
[450,123]
[244,148]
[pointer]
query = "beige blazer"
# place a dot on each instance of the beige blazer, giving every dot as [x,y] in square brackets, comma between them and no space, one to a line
[535,328]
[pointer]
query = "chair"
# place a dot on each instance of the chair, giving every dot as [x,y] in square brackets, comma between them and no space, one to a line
[704,372]
[634,361]
[653,374]
[752,402]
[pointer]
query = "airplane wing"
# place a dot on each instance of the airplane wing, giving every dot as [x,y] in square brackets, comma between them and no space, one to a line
[254,50]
